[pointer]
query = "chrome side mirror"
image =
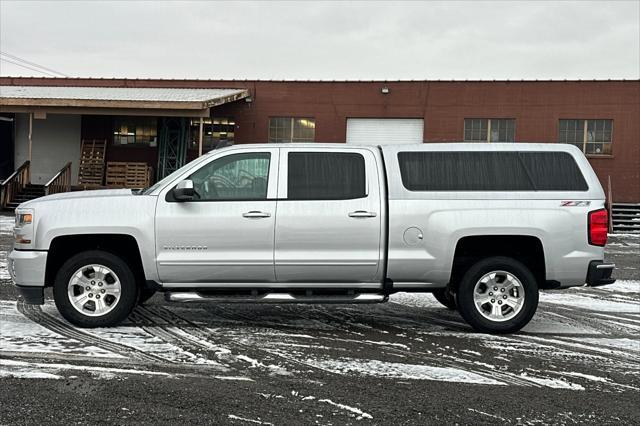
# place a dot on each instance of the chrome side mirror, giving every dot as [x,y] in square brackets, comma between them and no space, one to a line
[184,190]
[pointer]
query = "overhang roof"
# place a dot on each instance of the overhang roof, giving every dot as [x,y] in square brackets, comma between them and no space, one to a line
[118,97]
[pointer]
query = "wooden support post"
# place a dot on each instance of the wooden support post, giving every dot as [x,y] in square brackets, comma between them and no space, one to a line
[30,135]
[200,137]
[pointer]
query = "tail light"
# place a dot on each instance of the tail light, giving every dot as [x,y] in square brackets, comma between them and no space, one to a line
[598,227]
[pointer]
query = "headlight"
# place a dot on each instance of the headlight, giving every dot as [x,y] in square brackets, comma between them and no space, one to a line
[23,218]
[23,230]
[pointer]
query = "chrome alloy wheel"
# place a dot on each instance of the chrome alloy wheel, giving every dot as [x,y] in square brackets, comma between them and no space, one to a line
[94,290]
[498,296]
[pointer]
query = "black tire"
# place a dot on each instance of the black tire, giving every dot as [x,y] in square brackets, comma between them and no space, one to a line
[145,295]
[444,296]
[128,292]
[471,314]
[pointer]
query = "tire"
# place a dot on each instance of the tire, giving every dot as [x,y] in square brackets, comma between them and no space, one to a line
[444,296]
[519,297]
[145,295]
[92,278]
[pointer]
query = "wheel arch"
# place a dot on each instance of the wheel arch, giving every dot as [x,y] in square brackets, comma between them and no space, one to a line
[64,247]
[527,249]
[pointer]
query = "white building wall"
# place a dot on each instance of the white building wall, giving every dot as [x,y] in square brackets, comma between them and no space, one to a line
[55,141]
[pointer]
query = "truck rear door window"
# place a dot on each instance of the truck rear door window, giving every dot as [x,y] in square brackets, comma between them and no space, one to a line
[490,171]
[325,176]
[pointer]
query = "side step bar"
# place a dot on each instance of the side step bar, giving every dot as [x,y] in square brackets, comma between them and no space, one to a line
[192,296]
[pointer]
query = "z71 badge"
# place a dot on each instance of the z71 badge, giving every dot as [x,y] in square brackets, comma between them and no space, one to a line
[575,203]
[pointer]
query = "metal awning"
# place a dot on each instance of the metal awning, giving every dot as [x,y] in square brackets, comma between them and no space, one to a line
[116,100]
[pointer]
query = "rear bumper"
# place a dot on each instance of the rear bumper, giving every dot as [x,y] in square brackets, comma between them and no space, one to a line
[600,273]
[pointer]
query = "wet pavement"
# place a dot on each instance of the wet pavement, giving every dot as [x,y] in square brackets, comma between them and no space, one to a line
[409,361]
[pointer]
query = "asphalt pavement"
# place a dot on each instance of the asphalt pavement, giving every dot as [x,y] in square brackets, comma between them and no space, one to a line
[409,361]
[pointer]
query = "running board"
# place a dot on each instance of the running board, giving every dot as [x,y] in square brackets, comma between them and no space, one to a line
[192,296]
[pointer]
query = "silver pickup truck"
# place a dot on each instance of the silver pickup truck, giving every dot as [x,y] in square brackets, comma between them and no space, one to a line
[481,226]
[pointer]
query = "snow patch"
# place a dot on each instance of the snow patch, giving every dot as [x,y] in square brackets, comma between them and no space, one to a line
[100,372]
[244,419]
[398,370]
[6,224]
[589,303]
[361,414]
[21,373]
[623,286]
[551,383]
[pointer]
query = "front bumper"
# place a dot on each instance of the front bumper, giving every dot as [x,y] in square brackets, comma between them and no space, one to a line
[27,269]
[600,273]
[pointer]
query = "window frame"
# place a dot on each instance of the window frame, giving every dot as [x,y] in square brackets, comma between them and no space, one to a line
[291,125]
[585,132]
[208,131]
[132,119]
[488,129]
[370,170]
[527,173]
[272,179]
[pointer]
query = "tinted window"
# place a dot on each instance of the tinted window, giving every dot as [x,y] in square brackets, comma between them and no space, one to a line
[553,171]
[325,176]
[490,171]
[233,177]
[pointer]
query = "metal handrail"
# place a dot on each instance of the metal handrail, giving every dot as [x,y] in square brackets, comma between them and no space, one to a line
[14,184]
[61,182]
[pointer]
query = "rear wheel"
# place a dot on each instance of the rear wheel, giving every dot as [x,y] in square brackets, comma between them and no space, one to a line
[445,297]
[498,295]
[95,289]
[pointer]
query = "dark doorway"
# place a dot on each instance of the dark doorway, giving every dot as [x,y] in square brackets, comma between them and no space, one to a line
[7,141]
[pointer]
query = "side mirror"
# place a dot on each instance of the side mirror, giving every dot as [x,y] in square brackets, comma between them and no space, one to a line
[184,191]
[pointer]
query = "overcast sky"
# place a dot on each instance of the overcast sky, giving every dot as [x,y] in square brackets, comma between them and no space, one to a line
[325,40]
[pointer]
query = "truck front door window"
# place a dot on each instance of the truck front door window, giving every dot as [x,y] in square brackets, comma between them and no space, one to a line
[234,177]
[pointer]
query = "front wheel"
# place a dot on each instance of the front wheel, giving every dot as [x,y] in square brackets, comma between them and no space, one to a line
[95,289]
[498,295]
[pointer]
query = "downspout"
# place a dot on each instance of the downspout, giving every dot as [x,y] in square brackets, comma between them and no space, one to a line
[200,138]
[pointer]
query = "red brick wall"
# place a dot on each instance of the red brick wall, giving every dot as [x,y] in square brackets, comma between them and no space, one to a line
[536,106]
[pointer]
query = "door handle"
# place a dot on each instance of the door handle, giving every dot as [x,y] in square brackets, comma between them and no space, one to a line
[256,214]
[362,213]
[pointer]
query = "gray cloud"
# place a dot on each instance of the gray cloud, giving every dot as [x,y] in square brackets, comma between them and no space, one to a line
[326,40]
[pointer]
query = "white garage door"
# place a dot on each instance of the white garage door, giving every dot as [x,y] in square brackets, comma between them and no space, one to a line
[384,131]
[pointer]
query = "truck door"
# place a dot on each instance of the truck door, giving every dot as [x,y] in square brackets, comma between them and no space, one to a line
[226,233]
[328,223]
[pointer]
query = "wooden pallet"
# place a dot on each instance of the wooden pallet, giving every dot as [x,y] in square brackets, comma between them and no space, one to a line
[128,174]
[91,166]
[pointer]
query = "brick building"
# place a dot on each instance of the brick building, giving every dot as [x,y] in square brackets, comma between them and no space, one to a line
[159,122]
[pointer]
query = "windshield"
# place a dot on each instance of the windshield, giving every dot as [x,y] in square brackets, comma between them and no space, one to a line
[172,176]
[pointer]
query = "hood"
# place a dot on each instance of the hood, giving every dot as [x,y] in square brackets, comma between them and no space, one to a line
[101,193]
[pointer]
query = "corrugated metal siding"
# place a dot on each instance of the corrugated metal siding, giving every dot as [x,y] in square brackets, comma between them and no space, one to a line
[385,131]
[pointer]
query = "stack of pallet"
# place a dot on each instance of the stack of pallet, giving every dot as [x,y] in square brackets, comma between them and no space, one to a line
[91,167]
[128,174]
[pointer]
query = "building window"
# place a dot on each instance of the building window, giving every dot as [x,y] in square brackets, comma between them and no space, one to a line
[591,136]
[135,131]
[214,131]
[489,130]
[290,129]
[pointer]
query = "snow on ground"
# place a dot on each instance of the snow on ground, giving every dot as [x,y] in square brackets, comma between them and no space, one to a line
[582,338]
[33,369]
[6,224]
[19,334]
[398,370]
[6,232]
